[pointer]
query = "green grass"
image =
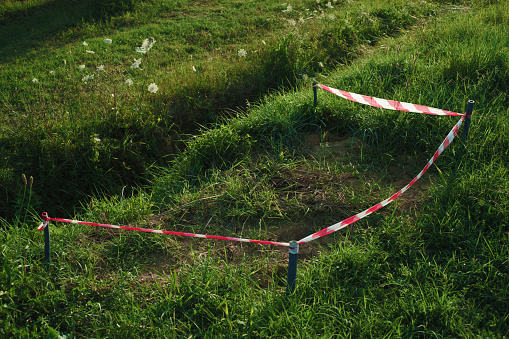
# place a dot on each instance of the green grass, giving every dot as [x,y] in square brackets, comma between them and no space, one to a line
[434,264]
[49,127]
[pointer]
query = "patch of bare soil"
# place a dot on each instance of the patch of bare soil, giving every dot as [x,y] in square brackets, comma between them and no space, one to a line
[344,148]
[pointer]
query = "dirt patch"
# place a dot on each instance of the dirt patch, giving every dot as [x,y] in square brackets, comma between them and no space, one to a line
[345,148]
[328,143]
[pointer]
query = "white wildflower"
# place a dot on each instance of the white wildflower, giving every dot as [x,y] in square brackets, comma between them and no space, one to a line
[152,88]
[301,20]
[81,67]
[242,52]
[90,52]
[136,63]
[263,42]
[291,22]
[146,45]
[128,82]
[97,140]
[100,68]
[288,9]
[51,72]
[108,41]
[87,77]
[85,43]
[34,80]
[329,5]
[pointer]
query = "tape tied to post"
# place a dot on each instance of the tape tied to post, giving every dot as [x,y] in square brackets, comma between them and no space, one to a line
[294,248]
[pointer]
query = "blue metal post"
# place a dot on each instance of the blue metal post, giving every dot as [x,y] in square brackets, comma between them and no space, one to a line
[47,249]
[292,267]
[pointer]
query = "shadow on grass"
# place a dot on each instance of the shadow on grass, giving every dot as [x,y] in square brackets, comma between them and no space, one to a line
[68,175]
[25,29]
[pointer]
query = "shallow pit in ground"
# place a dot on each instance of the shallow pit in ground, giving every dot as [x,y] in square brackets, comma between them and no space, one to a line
[325,209]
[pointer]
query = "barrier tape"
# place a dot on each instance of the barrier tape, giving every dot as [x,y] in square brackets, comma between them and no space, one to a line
[388,104]
[448,139]
[47,219]
[363,99]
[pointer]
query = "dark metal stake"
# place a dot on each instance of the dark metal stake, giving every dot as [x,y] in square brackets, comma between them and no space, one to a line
[47,249]
[292,267]
[470,108]
[315,94]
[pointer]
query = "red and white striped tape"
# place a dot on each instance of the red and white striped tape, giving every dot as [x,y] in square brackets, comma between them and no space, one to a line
[47,219]
[388,104]
[367,100]
[448,139]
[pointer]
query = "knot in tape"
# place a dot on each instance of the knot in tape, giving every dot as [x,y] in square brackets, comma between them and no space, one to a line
[45,222]
[294,248]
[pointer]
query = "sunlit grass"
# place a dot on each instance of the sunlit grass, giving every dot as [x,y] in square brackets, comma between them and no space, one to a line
[94,79]
[432,265]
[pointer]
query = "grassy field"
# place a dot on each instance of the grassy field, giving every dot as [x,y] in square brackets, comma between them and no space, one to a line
[208,61]
[198,116]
